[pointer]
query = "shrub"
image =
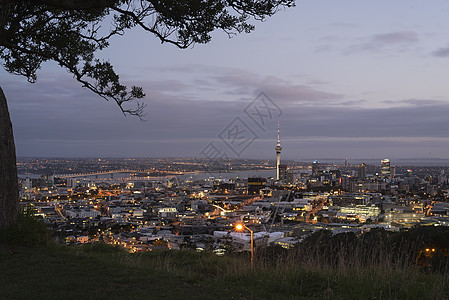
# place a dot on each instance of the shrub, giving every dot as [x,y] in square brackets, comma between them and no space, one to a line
[27,231]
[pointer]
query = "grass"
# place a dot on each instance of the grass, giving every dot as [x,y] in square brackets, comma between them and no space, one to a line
[101,272]
[45,270]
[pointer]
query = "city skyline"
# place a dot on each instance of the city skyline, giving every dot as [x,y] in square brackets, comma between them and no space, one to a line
[357,80]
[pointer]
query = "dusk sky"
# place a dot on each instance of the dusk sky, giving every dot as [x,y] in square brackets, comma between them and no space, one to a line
[357,79]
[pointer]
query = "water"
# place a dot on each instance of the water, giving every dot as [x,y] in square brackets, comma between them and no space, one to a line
[31,176]
[187,176]
[228,175]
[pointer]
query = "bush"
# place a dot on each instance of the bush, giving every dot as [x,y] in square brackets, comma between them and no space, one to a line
[27,231]
[101,247]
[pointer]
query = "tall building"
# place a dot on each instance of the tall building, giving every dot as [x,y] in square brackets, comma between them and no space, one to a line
[255,184]
[385,169]
[278,155]
[28,184]
[442,179]
[283,173]
[315,168]
[392,172]
[362,171]
[290,177]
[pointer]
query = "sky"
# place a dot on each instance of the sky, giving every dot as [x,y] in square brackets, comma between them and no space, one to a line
[347,78]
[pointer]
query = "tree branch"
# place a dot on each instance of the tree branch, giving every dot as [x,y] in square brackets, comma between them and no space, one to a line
[79,4]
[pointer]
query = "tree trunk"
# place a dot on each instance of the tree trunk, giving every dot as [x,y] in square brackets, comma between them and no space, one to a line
[9,188]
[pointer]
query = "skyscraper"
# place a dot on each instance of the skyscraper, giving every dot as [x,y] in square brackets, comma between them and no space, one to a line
[278,155]
[385,171]
[283,173]
[315,168]
[392,171]
[362,171]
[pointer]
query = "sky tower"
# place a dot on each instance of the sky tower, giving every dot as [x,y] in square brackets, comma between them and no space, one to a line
[278,155]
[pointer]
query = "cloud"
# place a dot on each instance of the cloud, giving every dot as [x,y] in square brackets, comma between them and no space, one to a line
[186,112]
[417,102]
[317,82]
[170,85]
[230,84]
[394,38]
[352,103]
[410,121]
[401,139]
[442,52]
[378,42]
[298,94]
[234,81]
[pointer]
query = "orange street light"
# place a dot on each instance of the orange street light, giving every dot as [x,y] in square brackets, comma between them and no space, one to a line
[240,227]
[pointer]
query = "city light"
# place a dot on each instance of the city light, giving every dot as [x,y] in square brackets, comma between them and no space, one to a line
[240,227]
[127,203]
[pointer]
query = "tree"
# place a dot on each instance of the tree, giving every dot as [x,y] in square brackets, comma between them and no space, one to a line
[8,172]
[70,32]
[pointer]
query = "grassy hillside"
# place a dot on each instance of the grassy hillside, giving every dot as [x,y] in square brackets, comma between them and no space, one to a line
[99,272]
[43,270]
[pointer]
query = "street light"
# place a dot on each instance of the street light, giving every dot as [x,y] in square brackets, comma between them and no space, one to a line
[240,227]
